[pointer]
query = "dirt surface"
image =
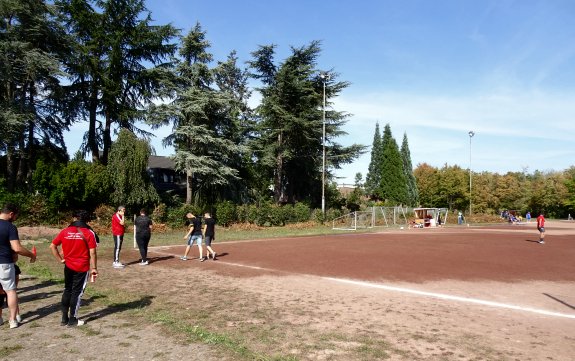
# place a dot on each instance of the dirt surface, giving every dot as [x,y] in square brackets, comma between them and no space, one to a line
[489,293]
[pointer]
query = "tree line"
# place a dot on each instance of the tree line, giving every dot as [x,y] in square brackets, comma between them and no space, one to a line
[392,181]
[105,65]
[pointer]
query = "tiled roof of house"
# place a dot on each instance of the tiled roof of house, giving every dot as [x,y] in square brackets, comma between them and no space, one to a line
[156,161]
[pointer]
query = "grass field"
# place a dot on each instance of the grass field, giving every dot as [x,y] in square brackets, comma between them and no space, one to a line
[282,297]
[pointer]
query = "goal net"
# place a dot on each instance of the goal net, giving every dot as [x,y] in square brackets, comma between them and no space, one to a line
[372,217]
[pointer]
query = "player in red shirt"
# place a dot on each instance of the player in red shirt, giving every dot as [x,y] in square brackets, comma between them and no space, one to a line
[541,228]
[118,228]
[79,257]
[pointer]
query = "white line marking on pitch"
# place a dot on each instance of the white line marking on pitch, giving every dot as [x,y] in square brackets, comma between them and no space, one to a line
[452,298]
[419,293]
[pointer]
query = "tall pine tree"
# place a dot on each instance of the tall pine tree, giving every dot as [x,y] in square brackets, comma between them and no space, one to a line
[32,45]
[373,178]
[121,63]
[290,123]
[412,193]
[393,186]
[200,116]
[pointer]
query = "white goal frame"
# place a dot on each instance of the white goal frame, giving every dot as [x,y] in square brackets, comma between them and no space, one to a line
[372,217]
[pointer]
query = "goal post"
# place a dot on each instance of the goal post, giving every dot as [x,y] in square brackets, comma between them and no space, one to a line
[372,217]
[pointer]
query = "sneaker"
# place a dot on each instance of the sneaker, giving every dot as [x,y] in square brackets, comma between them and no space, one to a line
[64,321]
[13,323]
[76,322]
[144,263]
[184,258]
[541,242]
[19,318]
[118,265]
[214,256]
[202,259]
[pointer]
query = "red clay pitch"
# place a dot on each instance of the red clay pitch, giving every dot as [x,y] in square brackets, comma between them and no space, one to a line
[498,253]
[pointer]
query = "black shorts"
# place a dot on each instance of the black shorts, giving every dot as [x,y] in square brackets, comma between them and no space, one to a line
[541,229]
[208,240]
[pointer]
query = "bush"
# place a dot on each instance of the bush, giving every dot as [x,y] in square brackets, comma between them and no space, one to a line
[176,217]
[330,215]
[276,215]
[226,213]
[160,213]
[103,214]
[317,216]
[301,212]
[37,210]
[247,213]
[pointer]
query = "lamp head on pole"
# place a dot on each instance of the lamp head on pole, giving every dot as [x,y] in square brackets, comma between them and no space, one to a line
[471,133]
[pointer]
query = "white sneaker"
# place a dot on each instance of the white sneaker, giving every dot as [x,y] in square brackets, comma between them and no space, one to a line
[76,322]
[144,263]
[183,258]
[13,323]
[118,265]
[19,318]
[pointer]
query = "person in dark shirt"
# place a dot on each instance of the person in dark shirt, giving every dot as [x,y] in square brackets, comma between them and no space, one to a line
[209,234]
[10,246]
[143,231]
[194,235]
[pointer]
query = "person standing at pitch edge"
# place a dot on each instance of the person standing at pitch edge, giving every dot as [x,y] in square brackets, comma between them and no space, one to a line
[118,229]
[209,234]
[79,257]
[10,245]
[541,228]
[143,230]
[194,235]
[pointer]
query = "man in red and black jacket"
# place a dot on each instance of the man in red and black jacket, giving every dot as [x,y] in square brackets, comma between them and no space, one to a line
[541,228]
[79,257]
[118,229]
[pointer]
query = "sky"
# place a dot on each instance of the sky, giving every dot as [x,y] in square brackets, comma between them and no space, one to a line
[433,70]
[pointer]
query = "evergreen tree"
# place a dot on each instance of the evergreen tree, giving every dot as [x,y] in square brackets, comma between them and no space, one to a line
[393,186]
[203,119]
[412,193]
[239,128]
[373,178]
[120,65]
[290,123]
[31,46]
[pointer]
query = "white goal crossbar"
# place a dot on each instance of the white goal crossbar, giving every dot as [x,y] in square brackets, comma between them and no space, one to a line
[371,218]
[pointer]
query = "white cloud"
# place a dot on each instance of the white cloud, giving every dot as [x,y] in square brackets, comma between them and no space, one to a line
[513,129]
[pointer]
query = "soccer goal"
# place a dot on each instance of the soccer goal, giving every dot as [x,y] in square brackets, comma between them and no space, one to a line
[371,218]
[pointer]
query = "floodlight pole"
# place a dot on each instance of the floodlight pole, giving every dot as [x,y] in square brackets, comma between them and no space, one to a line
[471,134]
[324,78]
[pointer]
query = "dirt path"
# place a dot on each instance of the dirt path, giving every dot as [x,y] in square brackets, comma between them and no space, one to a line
[473,294]
[109,334]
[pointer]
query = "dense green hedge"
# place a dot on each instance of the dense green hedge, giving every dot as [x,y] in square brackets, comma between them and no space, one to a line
[38,209]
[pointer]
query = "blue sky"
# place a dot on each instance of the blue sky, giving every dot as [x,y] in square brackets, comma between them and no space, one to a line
[431,69]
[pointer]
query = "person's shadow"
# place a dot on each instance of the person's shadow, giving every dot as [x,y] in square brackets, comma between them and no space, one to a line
[531,240]
[144,301]
[151,260]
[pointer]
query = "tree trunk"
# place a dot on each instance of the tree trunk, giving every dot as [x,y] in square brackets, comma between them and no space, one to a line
[189,176]
[10,168]
[92,135]
[107,138]
[278,177]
